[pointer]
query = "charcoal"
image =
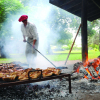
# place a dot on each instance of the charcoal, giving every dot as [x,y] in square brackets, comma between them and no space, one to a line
[88,86]
[80,75]
[97,68]
[99,72]
[92,71]
[45,93]
[94,80]
[48,86]
[82,70]
[75,66]
[89,76]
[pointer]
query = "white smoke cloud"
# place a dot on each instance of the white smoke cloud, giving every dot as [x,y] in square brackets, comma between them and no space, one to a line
[38,16]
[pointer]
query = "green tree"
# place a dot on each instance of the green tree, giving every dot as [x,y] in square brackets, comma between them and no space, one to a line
[93,38]
[91,29]
[59,25]
[7,8]
[97,25]
[75,22]
[2,13]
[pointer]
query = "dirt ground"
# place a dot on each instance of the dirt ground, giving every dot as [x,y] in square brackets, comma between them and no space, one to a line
[69,64]
[44,64]
[85,96]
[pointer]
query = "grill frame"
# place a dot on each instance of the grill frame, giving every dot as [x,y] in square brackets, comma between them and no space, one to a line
[62,75]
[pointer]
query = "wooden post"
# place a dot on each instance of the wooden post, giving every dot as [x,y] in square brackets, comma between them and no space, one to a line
[99,38]
[84,31]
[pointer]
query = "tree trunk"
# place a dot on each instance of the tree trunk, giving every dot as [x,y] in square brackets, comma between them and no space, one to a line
[2,52]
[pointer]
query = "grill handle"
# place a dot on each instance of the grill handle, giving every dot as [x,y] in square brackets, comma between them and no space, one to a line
[34,71]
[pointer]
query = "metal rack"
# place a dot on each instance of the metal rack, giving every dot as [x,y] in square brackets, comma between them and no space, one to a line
[62,75]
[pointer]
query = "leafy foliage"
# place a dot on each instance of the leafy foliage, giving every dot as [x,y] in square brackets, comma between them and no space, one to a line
[8,8]
[91,31]
[75,22]
[2,13]
[59,26]
[93,37]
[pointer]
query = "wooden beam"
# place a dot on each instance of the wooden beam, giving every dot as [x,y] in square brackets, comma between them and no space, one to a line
[78,12]
[84,31]
[70,5]
[94,18]
[58,2]
[75,8]
[66,3]
[96,15]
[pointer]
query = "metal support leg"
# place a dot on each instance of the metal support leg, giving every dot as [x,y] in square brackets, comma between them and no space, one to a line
[69,77]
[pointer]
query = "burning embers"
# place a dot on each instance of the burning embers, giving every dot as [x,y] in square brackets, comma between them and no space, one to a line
[90,70]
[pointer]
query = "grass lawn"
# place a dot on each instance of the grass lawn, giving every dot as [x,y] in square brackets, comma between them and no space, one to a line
[58,56]
[75,55]
[8,60]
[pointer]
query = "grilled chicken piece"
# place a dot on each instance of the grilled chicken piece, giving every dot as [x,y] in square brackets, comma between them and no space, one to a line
[24,75]
[27,70]
[50,71]
[54,70]
[1,74]
[35,74]
[47,72]
[24,78]
[57,71]
[9,77]
[4,70]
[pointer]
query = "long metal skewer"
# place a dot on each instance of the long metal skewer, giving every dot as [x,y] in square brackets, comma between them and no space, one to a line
[41,54]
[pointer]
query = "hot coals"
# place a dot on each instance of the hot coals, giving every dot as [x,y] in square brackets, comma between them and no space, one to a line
[90,70]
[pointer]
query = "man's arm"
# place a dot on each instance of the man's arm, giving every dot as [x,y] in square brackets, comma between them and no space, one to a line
[34,33]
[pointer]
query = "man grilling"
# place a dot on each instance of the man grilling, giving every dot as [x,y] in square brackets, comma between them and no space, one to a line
[29,31]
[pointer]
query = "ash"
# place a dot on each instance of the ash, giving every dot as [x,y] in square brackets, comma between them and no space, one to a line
[56,89]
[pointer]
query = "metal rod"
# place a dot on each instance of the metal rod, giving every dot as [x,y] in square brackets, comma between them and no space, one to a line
[42,55]
[72,44]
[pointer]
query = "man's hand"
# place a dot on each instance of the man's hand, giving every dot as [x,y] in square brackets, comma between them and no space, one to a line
[33,46]
[24,40]
[34,43]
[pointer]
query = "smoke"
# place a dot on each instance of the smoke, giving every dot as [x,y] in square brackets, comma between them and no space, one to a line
[15,44]
[38,15]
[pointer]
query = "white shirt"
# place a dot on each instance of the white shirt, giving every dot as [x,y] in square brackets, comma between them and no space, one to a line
[29,31]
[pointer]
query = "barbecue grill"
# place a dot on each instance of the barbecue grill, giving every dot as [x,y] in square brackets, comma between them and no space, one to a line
[4,84]
[39,79]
